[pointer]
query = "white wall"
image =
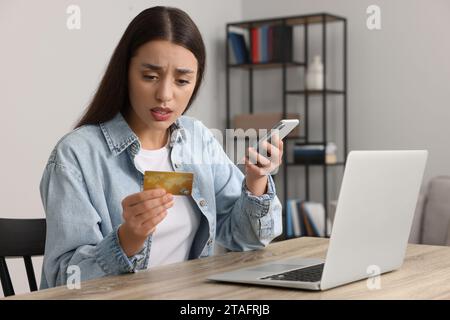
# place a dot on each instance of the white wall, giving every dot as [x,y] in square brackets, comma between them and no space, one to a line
[48,74]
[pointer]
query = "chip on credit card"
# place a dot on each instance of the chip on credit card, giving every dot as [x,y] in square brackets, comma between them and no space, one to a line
[176,183]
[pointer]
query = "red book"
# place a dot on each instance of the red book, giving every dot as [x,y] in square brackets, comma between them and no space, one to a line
[255,45]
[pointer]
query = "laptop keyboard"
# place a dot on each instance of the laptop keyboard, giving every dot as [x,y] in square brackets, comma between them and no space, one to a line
[308,274]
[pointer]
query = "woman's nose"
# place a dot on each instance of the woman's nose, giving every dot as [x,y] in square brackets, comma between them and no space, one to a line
[165,91]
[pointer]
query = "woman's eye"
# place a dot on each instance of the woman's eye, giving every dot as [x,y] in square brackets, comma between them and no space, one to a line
[150,77]
[182,82]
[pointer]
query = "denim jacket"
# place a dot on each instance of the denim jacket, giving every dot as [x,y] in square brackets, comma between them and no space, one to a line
[91,170]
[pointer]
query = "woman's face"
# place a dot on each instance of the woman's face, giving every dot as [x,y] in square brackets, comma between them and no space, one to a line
[161,80]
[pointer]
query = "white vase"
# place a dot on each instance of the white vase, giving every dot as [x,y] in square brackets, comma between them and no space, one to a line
[314,75]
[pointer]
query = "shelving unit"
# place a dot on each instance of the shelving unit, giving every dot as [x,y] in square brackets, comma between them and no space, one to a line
[303,20]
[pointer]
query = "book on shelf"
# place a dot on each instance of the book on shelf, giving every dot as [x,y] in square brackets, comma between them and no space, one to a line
[269,43]
[282,43]
[263,41]
[289,225]
[305,218]
[301,219]
[295,221]
[315,153]
[239,52]
[255,45]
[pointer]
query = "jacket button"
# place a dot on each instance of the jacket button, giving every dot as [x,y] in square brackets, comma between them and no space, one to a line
[202,203]
[209,242]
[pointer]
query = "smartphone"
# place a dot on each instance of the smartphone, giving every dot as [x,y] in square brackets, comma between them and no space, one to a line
[283,128]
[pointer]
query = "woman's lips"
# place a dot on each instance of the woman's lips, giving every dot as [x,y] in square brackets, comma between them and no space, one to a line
[160,114]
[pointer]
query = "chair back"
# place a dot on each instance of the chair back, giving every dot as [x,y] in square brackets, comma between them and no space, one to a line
[20,238]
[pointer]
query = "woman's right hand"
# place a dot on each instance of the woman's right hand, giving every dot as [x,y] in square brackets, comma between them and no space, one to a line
[142,212]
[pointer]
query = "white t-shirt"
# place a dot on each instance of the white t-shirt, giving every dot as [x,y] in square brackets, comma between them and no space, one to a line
[172,239]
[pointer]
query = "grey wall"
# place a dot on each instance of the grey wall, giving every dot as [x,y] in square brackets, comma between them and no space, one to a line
[48,74]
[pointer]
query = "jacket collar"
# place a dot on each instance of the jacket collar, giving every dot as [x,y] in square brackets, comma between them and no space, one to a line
[119,136]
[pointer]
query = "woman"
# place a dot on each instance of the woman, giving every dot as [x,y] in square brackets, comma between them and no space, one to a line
[99,219]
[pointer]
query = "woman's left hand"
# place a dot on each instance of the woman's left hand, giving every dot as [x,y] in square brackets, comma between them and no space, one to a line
[258,166]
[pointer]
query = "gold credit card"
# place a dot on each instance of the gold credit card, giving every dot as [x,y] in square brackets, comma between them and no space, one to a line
[176,183]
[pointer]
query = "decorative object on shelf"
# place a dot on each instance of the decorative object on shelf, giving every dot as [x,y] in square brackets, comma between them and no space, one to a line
[331,153]
[314,75]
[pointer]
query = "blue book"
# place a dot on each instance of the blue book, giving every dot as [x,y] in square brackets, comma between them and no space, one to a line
[264,44]
[300,218]
[237,43]
[309,152]
[234,43]
[289,228]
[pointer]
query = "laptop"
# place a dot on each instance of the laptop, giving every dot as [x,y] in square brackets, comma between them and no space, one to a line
[370,231]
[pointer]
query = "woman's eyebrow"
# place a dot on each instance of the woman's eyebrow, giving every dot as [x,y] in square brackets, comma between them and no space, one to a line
[184,70]
[155,67]
[152,66]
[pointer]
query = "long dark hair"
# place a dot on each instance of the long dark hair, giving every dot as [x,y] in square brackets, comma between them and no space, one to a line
[157,23]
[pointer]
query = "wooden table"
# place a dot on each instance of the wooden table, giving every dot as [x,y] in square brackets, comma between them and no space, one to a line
[424,275]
